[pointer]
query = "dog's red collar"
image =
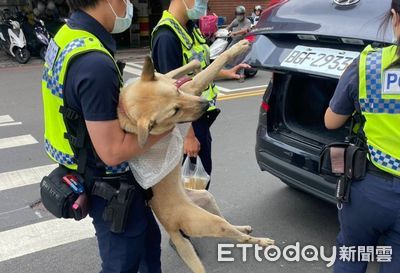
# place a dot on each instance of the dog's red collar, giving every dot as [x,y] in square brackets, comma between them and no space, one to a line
[182,81]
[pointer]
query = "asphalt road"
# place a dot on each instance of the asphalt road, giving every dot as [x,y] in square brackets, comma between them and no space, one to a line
[245,194]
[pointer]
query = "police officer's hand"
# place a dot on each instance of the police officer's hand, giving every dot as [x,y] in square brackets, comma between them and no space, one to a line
[233,72]
[191,146]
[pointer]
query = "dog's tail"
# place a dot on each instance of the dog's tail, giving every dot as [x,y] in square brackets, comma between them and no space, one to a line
[186,251]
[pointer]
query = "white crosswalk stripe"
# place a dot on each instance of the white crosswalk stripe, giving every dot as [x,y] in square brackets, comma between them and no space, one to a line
[31,238]
[19,178]
[5,118]
[10,142]
[10,124]
[44,235]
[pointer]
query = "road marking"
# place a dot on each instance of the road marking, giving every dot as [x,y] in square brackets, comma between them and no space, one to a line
[10,124]
[229,90]
[24,177]
[14,210]
[44,235]
[6,118]
[17,141]
[241,95]
[133,71]
[140,66]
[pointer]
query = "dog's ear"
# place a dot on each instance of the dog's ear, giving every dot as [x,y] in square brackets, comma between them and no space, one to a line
[148,73]
[144,126]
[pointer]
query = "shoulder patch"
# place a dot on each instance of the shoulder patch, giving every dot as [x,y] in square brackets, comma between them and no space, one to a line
[51,53]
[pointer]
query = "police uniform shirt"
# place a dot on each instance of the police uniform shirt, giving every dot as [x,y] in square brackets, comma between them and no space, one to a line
[167,49]
[92,82]
[92,88]
[345,98]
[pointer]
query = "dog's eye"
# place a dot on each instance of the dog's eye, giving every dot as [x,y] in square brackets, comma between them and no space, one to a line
[176,109]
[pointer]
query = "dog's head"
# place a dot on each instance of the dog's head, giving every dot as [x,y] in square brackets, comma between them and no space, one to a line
[154,104]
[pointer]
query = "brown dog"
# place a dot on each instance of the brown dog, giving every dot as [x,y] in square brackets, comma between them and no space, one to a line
[153,105]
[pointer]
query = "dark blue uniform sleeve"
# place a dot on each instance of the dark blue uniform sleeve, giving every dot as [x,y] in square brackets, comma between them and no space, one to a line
[167,51]
[345,98]
[93,86]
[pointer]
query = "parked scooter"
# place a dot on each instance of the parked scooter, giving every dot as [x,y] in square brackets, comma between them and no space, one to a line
[37,36]
[12,39]
[222,42]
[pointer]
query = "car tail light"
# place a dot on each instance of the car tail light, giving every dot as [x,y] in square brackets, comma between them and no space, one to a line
[275,2]
[265,106]
[251,38]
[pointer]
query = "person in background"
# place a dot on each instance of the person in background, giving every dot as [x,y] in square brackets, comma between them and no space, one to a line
[257,12]
[175,41]
[240,25]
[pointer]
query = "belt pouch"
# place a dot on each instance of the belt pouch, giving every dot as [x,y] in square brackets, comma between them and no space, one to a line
[56,196]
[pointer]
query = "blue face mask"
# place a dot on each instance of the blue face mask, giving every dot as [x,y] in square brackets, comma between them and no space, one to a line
[199,9]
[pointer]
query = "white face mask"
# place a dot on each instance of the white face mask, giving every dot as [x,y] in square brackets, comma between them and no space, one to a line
[199,9]
[123,23]
[395,39]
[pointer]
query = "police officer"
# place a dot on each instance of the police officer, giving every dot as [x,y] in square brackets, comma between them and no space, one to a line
[176,40]
[81,81]
[370,86]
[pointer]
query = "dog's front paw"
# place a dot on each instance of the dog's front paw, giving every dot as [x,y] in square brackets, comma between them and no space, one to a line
[240,48]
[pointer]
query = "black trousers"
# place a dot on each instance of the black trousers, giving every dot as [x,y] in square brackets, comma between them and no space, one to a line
[202,131]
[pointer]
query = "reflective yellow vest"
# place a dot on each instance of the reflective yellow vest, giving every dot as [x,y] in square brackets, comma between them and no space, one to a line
[192,49]
[381,107]
[67,44]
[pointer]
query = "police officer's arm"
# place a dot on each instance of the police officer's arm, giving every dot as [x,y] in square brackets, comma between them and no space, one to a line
[333,120]
[345,98]
[113,145]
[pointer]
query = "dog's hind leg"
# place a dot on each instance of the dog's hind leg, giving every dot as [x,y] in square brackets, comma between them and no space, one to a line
[205,224]
[244,229]
[205,200]
[186,251]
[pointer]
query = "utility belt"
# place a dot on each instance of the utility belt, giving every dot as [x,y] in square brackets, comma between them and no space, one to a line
[119,192]
[210,116]
[372,169]
[343,163]
[64,194]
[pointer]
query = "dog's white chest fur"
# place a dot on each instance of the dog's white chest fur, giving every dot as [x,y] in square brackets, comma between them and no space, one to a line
[161,159]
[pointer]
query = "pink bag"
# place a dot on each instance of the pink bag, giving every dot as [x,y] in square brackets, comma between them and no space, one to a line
[208,25]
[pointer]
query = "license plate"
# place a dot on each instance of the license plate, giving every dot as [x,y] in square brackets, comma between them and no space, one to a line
[321,60]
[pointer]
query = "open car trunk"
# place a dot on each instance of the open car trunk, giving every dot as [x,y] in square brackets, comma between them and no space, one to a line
[303,100]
